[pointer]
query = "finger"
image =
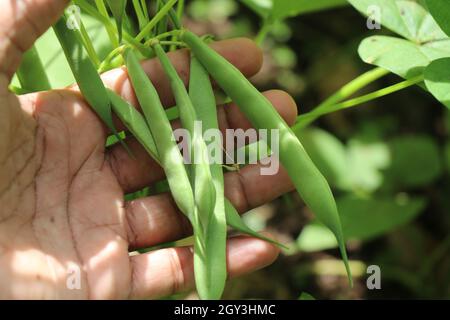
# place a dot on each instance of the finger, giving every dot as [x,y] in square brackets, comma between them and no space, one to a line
[140,171]
[169,271]
[156,219]
[21,23]
[241,52]
[231,116]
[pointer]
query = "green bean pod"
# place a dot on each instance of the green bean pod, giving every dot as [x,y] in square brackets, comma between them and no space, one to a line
[234,220]
[309,182]
[203,99]
[135,122]
[170,157]
[200,172]
[31,72]
[85,73]
[206,261]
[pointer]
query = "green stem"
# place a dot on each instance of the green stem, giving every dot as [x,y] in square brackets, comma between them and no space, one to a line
[173,33]
[162,25]
[305,119]
[157,18]
[107,63]
[145,9]
[174,17]
[88,45]
[349,89]
[173,43]
[31,73]
[353,87]
[89,9]
[109,27]
[142,19]
[263,32]
[180,12]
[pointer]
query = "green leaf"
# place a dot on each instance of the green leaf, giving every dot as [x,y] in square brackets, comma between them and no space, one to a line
[424,40]
[404,17]
[437,80]
[364,164]
[88,80]
[440,10]
[316,237]
[288,8]
[261,7]
[118,8]
[362,219]
[415,161]
[402,57]
[306,296]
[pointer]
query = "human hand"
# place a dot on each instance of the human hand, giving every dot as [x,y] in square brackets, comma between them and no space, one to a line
[62,191]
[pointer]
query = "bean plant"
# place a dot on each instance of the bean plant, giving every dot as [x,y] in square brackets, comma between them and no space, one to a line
[140,29]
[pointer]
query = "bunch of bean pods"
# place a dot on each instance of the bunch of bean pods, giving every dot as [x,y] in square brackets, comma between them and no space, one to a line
[198,186]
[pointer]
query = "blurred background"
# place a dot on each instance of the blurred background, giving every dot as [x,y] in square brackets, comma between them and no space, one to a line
[388,162]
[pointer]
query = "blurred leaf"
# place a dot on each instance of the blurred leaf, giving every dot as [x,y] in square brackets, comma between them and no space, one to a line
[362,219]
[306,296]
[261,7]
[407,58]
[289,8]
[282,9]
[284,57]
[316,237]
[416,161]
[364,165]
[212,10]
[440,9]
[328,153]
[437,80]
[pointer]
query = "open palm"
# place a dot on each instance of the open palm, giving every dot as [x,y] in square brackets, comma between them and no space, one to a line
[62,207]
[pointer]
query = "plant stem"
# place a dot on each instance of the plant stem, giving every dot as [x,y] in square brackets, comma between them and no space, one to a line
[107,63]
[142,19]
[109,27]
[174,17]
[145,9]
[180,12]
[88,45]
[349,89]
[263,32]
[89,9]
[305,119]
[157,18]
[31,72]
[173,43]
[354,86]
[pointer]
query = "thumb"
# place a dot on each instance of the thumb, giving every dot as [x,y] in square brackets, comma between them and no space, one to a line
[21,23]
